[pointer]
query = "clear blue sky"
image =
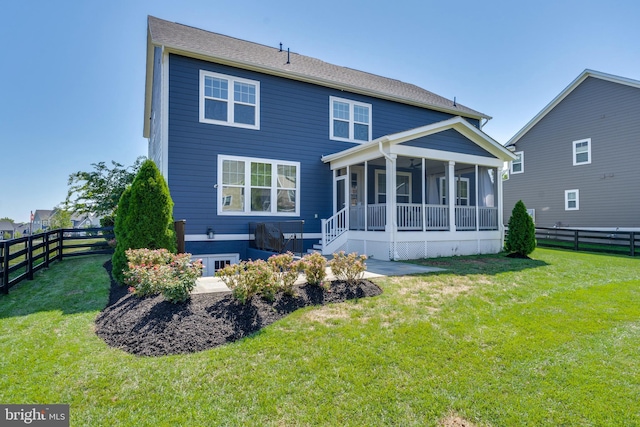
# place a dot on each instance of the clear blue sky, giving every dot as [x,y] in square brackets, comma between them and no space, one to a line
[72,72]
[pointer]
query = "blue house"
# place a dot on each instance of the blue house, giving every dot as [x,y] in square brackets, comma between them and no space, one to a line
[248,136]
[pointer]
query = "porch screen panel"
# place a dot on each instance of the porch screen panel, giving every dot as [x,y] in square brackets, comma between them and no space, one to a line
[233,181]
[260,187]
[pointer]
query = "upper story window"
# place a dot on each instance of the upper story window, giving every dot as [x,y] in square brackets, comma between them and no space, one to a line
[228,100]
[517,165]
[571,200]
[252,186]
[349,120]
[582,152]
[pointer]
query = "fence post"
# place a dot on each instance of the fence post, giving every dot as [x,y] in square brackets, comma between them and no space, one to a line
[60,243]
[46,250]
[30,257]
[575,240]
[5,267]
[632,241]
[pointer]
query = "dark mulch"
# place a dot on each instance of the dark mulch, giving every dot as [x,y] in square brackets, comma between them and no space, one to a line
[154,327]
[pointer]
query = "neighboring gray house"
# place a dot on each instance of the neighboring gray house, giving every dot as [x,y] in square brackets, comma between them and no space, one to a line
[578,159]
[41,219]
[7,228]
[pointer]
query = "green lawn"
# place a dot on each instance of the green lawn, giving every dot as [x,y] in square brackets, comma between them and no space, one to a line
[495,341]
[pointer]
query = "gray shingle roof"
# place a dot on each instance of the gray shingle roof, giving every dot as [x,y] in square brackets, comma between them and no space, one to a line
[244,54]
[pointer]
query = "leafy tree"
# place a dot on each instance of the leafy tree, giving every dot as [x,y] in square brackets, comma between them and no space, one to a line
[61,218]
[521,239]
[144,218]
[98,192]
[7,219]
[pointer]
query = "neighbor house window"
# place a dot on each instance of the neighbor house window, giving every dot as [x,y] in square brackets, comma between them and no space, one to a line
[571,200]
[230,101]
[582,152]
[251,186]
[517,165]
[349,120]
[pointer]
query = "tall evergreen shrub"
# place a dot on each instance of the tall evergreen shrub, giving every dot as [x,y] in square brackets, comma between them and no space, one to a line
[147,220]
[521,239]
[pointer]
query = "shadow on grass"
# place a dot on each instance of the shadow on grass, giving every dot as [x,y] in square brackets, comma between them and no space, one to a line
[70,286]
[479,264]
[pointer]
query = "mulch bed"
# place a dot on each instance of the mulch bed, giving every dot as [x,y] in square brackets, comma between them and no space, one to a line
[154,327]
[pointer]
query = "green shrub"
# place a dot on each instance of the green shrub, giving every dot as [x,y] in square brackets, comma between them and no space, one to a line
[348,268]
[521,238]
[314,266]
[152,272]
[119,258]
[249,278]
[144,217]
[285,270]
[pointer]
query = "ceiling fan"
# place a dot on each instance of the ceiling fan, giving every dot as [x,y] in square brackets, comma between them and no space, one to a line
[412,166]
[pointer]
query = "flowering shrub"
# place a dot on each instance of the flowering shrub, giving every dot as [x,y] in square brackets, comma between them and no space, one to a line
[159,271]
[249,278]
[314,267]
[348,268]
[285,271]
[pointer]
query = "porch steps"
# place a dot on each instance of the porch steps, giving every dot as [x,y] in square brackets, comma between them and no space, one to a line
[317,247]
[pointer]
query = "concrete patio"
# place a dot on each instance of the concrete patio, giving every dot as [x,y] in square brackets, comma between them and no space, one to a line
[375,268]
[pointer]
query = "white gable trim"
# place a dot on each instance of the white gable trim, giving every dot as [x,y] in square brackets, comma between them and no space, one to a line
[574,84]
[370,150]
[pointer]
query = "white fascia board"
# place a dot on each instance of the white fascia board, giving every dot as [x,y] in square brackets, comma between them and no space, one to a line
[457,123]
[562,95]
[445,156]
[148,88]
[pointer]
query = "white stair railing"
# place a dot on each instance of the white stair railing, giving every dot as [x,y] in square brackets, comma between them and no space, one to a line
[333,227]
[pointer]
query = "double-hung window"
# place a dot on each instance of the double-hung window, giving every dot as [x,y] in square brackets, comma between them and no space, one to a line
[403,187]
[228,100]
[349,120]
[582,152]
[251,186]
[571,200]
[517,165]
[462,191]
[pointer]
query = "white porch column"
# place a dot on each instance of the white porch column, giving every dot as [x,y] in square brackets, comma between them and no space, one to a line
[391,203]
[477,201]
[424,196]
[498,175]
[366,197]
[451,191]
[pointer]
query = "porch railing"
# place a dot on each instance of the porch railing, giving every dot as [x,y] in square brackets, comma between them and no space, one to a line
[410,218]
[465,217]
[437,217]
[333,227]
[488,218]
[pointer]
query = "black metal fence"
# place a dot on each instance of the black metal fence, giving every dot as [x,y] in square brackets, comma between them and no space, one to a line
[20,258]
[616,242]
[279,237]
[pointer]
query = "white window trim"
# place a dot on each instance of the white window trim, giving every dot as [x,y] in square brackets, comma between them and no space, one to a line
[574,144]
[384,172]
[247,187]
[351,119]
[511,171]
[566,200]
[230,101]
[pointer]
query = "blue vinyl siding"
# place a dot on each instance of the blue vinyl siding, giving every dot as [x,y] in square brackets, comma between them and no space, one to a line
[452,141]
[294,126]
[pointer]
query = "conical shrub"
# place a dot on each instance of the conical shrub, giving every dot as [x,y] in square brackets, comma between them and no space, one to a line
[521,238]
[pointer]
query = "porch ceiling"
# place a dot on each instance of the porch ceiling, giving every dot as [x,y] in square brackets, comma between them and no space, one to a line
[391,144]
